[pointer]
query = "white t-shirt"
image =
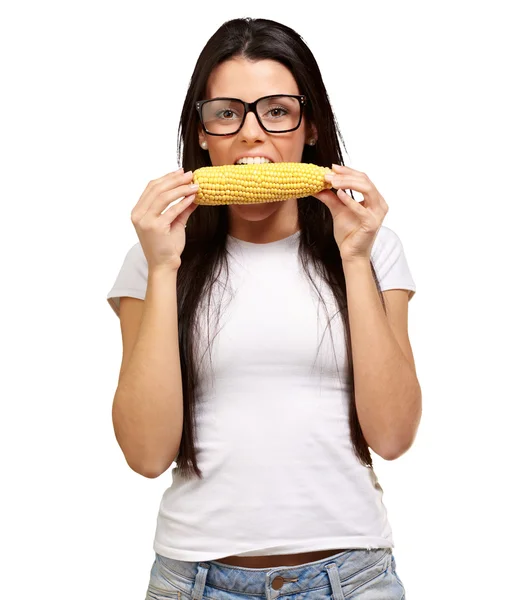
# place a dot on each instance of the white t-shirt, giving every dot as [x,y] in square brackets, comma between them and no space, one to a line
[272,433]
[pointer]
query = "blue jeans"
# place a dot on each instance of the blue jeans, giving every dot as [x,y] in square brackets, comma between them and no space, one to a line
[357,574]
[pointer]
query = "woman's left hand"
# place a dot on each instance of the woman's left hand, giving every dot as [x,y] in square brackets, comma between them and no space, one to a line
[355,224]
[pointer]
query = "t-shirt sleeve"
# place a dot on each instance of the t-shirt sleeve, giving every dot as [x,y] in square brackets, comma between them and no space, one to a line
[132,278]
[390,263]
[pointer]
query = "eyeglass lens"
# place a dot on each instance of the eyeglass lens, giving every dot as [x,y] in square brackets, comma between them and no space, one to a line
[277,113]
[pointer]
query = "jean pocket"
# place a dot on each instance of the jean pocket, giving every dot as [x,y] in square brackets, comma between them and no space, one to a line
[165,583]
[393,571]
[155,594]
[372,582]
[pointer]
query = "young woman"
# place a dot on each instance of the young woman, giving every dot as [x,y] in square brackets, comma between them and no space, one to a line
[273,494]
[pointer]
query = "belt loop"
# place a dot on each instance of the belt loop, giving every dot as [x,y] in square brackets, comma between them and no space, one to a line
[334,578]
[200,581]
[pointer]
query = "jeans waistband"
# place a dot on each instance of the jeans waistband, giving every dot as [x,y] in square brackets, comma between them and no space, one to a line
[326,572]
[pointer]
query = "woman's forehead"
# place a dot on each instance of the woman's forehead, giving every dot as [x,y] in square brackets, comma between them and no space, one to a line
[250,80]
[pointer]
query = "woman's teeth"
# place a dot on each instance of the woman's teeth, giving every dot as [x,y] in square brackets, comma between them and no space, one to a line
[252,160]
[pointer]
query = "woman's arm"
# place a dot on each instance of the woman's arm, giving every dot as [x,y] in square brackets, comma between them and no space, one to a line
[387,391]
[148,404]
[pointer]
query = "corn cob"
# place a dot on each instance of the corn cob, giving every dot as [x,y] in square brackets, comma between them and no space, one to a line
[252,184]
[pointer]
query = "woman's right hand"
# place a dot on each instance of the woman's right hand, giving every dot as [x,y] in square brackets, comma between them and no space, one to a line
[163,236]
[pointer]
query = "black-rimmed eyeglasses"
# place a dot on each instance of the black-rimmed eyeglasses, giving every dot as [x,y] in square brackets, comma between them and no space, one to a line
[276,114]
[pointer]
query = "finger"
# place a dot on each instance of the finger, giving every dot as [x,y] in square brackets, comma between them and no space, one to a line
[352,182]
[369,219]
[342,169]
[163,201]
[371,197]
[158,186]
[354,205]
[179,213]
[331,200]
[148,195]
[357,181]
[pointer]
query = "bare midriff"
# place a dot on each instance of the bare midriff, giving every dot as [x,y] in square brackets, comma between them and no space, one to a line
[279,560]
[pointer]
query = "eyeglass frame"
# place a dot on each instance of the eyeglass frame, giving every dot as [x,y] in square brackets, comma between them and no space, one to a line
[251,107]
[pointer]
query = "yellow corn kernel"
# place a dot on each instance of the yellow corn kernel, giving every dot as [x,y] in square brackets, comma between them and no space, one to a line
[265,182]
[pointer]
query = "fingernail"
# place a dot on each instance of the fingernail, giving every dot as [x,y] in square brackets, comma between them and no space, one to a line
[194,186]
[329,176]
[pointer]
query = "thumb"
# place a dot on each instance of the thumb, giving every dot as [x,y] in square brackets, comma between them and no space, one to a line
[331,201]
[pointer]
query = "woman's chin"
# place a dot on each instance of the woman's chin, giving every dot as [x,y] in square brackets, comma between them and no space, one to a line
[255,212]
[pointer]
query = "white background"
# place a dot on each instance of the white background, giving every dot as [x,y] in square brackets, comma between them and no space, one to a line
[430,100]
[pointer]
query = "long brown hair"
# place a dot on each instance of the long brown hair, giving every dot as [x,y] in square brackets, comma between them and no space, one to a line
[207,227]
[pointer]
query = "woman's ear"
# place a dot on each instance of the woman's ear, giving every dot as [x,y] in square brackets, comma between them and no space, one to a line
[202,141]
[313,134]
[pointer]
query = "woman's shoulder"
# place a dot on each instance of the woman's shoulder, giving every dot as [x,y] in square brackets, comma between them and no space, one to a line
[386,240]
[390,262]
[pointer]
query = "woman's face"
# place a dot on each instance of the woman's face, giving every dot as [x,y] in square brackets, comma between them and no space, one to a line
[240,78]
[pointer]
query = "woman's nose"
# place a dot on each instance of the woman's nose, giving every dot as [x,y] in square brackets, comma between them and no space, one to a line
[251,128]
